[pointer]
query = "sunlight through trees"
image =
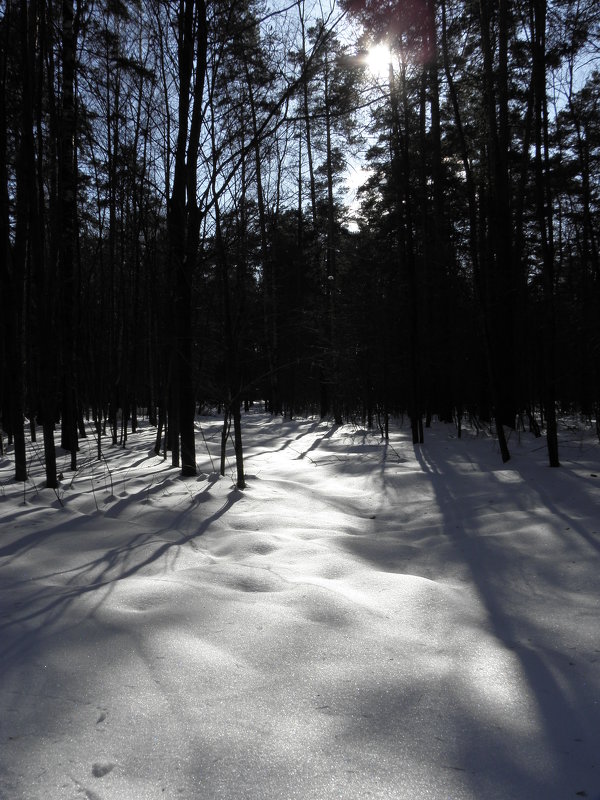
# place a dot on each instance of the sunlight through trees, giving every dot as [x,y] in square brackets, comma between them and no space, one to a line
[176,230]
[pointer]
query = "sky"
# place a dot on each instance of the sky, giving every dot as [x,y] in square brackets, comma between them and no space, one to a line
[367,619]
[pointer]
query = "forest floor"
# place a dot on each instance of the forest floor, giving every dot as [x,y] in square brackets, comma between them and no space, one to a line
[365,620]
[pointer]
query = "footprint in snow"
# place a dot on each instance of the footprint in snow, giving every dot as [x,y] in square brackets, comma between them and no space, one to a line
[81,789]
[103,715]
[100,769]
[90,794]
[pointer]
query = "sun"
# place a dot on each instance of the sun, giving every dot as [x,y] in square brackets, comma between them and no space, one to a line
[378,60]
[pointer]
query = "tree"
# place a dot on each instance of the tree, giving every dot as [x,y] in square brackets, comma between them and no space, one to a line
[15,250]
[68,227]
[184,219]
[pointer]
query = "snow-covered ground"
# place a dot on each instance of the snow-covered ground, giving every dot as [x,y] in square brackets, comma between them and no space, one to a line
[365,620]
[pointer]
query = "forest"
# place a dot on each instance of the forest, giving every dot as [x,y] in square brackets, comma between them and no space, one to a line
[178,232]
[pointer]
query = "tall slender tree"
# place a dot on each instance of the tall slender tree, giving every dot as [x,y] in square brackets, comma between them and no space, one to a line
[184,219]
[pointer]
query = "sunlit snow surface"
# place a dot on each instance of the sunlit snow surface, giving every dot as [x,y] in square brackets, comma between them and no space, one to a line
[365,620]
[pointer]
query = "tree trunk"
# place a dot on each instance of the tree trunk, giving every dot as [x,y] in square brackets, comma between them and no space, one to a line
[183,222]
[268,267]
[68,234]
[475,249]
[502,288]
[331,265]
[545,224]
[14,267]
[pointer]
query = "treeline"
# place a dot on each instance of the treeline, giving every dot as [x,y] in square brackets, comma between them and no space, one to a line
[175,233]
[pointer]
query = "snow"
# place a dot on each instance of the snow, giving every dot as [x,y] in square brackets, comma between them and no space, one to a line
[365,620]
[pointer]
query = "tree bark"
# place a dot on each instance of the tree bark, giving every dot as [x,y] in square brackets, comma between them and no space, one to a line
[545,224]
[183,223]
[68,234]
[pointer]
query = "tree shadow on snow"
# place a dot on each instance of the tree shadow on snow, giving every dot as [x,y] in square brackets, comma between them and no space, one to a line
[29,616]
[566,702]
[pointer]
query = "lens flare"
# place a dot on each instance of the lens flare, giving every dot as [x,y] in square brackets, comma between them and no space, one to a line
[378,60]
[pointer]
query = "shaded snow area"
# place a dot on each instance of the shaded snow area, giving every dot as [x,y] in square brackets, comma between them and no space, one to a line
[366,620]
